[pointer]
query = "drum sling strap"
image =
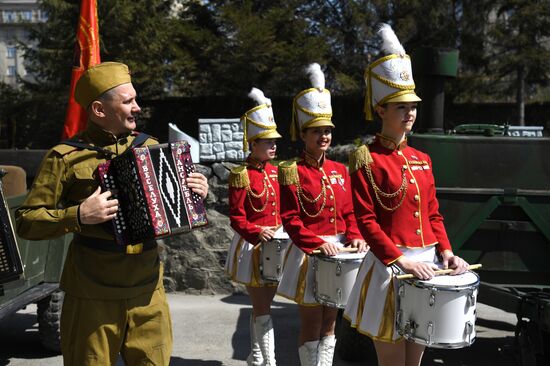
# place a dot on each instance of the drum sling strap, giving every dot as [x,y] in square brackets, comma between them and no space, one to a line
[138,141]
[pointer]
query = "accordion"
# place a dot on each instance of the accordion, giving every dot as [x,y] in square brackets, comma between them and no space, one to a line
[10,260]
[154,199]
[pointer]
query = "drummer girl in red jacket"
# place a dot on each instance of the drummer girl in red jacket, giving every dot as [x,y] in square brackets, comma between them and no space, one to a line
[396,208]
[255,216]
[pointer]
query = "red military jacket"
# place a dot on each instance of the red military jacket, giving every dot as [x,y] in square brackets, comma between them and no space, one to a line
[253,199]
[309,210]
[411,216]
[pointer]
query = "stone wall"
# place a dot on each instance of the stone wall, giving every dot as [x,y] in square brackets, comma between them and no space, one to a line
[194,262]
[221,139]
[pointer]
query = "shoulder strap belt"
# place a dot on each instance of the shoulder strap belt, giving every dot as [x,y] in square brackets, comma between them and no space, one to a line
[138,141]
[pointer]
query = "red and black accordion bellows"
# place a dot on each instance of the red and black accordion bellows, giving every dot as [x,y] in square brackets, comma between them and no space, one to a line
[10,260]
[154,199]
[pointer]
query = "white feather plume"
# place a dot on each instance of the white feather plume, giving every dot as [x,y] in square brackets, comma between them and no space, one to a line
[390,42]
[316,76]
[258,96]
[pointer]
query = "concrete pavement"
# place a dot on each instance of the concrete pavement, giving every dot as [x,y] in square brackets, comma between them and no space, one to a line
[213,331]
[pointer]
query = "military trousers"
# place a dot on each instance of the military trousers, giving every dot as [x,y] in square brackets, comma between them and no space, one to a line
[95,332]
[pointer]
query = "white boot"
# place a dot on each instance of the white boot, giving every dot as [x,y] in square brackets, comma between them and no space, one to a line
[308,353]
[263,327]
[255,357]
[326,350]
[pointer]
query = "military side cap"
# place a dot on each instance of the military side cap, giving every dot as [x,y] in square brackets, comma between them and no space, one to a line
[98,79]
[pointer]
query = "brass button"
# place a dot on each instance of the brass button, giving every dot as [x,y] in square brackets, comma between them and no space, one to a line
[412,181]
[418,231]
[273,193]
[416,214]
[66,229]
[416,197]
[331,209]
[399,153]
[331,197]
[273,203]
[404,167]
[273,213]
[331,219]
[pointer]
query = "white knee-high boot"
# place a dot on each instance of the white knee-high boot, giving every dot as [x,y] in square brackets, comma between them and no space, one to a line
[263,327]
[326,350]
[308,353]
[255,357]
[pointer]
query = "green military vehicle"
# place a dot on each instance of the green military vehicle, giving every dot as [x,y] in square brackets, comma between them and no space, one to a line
[29,274]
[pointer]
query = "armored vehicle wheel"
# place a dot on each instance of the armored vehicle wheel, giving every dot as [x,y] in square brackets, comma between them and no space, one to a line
[352,345]
[49,316]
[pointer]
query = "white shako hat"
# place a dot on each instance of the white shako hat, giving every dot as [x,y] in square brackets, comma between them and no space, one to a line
[258,122]
[311,107]
[389,79]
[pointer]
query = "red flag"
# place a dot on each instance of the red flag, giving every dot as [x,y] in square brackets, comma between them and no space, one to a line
[86,55]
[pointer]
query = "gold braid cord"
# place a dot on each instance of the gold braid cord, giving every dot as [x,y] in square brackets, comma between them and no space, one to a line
[259,196]
[301,195]
[288,175]
[378,192]
[362,158]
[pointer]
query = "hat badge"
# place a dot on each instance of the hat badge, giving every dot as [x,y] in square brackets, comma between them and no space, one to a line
[322,104]
[404,75]
[270,119]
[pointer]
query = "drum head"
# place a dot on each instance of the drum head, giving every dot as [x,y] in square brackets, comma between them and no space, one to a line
[461,280]
[343,257]
[280,234]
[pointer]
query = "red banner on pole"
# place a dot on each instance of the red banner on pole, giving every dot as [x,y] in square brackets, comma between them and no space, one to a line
[86,55]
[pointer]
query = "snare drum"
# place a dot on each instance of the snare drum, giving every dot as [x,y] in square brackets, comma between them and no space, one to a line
[273,256]
[334,278]
[439,313]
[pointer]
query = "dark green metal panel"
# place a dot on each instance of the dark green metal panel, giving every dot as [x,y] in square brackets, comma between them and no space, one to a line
[42,260]
[487,162]
[435,61]
[494,193]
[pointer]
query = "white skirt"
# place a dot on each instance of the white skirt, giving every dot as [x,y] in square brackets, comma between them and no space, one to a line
[372,303]
[243,263]
[298,277]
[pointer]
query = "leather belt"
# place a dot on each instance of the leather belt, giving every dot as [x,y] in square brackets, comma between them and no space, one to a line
[112,246]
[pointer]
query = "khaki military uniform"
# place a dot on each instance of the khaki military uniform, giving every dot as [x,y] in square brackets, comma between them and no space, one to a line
[114,302]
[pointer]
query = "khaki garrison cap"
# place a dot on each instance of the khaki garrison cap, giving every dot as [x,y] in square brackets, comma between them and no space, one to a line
[98,79]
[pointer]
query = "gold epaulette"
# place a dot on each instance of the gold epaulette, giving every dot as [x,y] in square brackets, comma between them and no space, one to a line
[359,158]
[238,178]
[288,173]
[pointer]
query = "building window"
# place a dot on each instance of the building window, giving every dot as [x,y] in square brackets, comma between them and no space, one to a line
[12,52]
[26,15]
[8,16]
[11,71]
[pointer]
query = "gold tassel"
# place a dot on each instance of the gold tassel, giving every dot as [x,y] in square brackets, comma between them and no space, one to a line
[288,173]
[238,178]
[368,97]
[293,123]
[358,158]
[245,127]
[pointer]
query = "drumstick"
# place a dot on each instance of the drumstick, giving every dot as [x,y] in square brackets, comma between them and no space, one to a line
[340,250]
[439,272]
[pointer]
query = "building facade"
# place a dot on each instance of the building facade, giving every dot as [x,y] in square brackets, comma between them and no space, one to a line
[15,16]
